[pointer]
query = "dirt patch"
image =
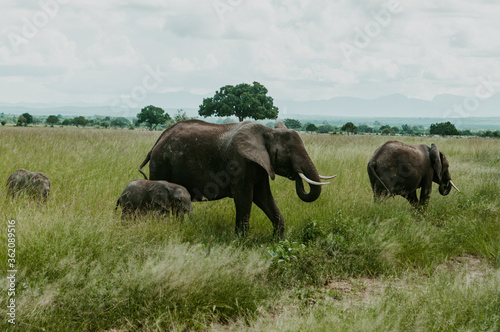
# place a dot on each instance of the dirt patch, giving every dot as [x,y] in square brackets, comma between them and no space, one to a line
[473,265]
[364,289]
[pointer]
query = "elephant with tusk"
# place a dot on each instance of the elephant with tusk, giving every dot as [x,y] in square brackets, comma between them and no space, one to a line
[397,168]
[236,160]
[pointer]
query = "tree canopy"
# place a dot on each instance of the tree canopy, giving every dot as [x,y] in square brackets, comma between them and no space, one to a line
[311,127]
[28,117]
[443,128]
[243,101]
[152,116]
[325,128]
[52,120]
[80,121]
[120,122]
[21,121]
[292,124]
[349,127]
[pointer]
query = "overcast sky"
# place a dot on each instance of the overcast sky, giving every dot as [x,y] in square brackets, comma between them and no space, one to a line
[94,51]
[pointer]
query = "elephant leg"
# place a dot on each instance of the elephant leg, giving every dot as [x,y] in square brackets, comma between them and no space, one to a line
[264,199]
[412,198]
[243,205]
[425,194]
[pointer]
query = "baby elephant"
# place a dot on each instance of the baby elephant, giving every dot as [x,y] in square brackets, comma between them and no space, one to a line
[142,195]
[34,184]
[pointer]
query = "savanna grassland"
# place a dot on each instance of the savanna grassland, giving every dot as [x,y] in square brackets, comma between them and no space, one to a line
[347,264]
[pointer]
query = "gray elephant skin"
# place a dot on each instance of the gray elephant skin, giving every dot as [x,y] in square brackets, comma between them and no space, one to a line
[236,160]
[34,184]
[397,168]
[141,195]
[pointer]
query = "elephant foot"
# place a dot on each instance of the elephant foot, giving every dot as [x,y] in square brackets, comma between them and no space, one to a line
[279,228]
[279,233]
[242,228]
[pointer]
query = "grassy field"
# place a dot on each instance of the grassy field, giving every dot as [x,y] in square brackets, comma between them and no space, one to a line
[347,264]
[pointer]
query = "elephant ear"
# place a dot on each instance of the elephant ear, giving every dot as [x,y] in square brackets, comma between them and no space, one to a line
[435,156]
[159,194]
[250,142]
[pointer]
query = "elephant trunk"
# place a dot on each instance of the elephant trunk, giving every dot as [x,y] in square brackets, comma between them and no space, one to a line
[311,174]
[445,188]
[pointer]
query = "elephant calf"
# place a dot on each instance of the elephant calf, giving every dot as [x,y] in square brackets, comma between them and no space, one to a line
[397,168]
[142,195]
[34,184]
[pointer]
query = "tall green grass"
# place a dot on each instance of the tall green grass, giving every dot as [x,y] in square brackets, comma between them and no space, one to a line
[80,267]
[446,301]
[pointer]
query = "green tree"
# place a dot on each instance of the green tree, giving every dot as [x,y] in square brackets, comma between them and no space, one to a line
[364,128]
[28,117]
[311,127]
[67,122]
[407,130]
[292,124]
[443,129]
[52,120]
[152,116]
[80,121]
[466,132]
[21,121]
[243,101]
[386,130]
[120,122]
[325,128]
[181,116]
[3,122]
[350,128]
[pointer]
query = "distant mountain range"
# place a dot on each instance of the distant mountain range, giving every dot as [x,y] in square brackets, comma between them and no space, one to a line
[399,106]
[442,106]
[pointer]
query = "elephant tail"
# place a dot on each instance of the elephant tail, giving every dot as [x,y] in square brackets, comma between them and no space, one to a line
[148,157]
[371,166]
[117,203]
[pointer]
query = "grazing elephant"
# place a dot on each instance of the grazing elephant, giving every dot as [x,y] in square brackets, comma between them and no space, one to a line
[34,184]
[234,160]
[397,168]
[142,195]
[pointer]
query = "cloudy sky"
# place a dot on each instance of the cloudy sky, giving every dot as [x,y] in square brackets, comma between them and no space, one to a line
[95,51]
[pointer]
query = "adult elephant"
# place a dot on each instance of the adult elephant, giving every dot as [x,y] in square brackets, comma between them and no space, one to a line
[213,161]
[397,168]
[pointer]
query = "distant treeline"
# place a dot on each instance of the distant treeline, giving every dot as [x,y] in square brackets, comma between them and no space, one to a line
[325,127]
[26,119]
[443,129]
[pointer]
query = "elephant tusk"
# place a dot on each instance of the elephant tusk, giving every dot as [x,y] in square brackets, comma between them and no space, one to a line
[305,178]
[327,177]
[453,185]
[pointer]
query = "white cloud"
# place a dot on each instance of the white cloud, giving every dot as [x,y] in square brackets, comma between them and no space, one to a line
[113,50]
